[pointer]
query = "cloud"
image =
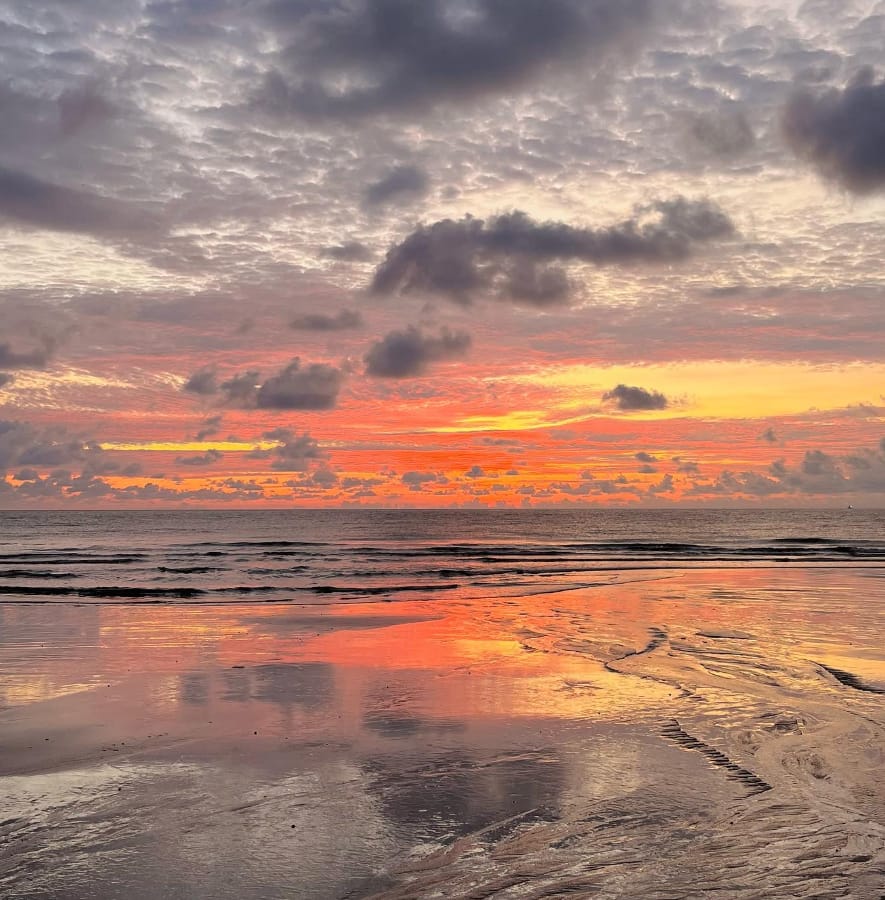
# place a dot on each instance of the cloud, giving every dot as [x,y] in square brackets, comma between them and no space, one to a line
[402,56]
[293,452]
[61,484]
[205,459]
[642,456]
[314,386]
[510,254]
[36,358]
[403,354]
[841,133]
[203,382]
[30,201]
[664,486]
[210,428]
[417,480]
[401,184]
[240,389]
[724,134]
[97,461]
[324,478]
[22,444]
[629,398]
[352,251]
[80,107]
[151,492]
[768,436]
[297,386]
[818,473]
[341,321]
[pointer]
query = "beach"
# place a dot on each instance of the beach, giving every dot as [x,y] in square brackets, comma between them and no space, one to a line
[669,731]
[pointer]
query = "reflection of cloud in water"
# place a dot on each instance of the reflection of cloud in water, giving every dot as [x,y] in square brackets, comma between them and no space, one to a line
[308,685]
[193,688]
[465,793]
[237,685]
[321,623]
[398,725]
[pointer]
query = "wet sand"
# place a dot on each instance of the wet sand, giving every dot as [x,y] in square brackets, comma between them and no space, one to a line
[681,734]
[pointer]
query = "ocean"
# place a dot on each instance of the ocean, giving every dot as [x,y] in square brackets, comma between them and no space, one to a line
[513,705]
[333,556]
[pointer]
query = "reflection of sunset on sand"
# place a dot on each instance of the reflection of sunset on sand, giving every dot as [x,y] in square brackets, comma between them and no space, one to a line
[452,743]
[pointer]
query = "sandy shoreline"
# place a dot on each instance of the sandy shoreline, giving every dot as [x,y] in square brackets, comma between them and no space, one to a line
[682,736]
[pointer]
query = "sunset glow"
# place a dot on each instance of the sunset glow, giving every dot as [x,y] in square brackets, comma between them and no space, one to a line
[241,266]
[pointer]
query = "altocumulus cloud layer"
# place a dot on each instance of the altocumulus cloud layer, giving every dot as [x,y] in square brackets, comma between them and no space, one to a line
[638,241]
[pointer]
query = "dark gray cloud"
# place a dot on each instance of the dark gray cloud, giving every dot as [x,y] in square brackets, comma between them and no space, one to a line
[204,459]
[818,473]
[97,461]
[644,457]
[416,480]
[151,492]
[313,386]
[204,382]
[405,56]
[35,358]
[768,436]
[407,353]
[297,386]
[532,284]
[22,444]
[510,254]
[210,427]
[629,398]
[401,184]
[293,452]
[240,389]
[342,321]
[30,201]
[60,485]
[664,486]
[324,477]
[351,251]
[842,133]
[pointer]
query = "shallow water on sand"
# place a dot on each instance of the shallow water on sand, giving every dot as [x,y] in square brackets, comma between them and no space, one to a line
[669,732]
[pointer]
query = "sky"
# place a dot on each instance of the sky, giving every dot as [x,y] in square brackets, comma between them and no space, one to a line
[391,253]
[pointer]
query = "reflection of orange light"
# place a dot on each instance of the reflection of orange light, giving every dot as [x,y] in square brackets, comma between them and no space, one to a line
[535,656]
[21,690]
